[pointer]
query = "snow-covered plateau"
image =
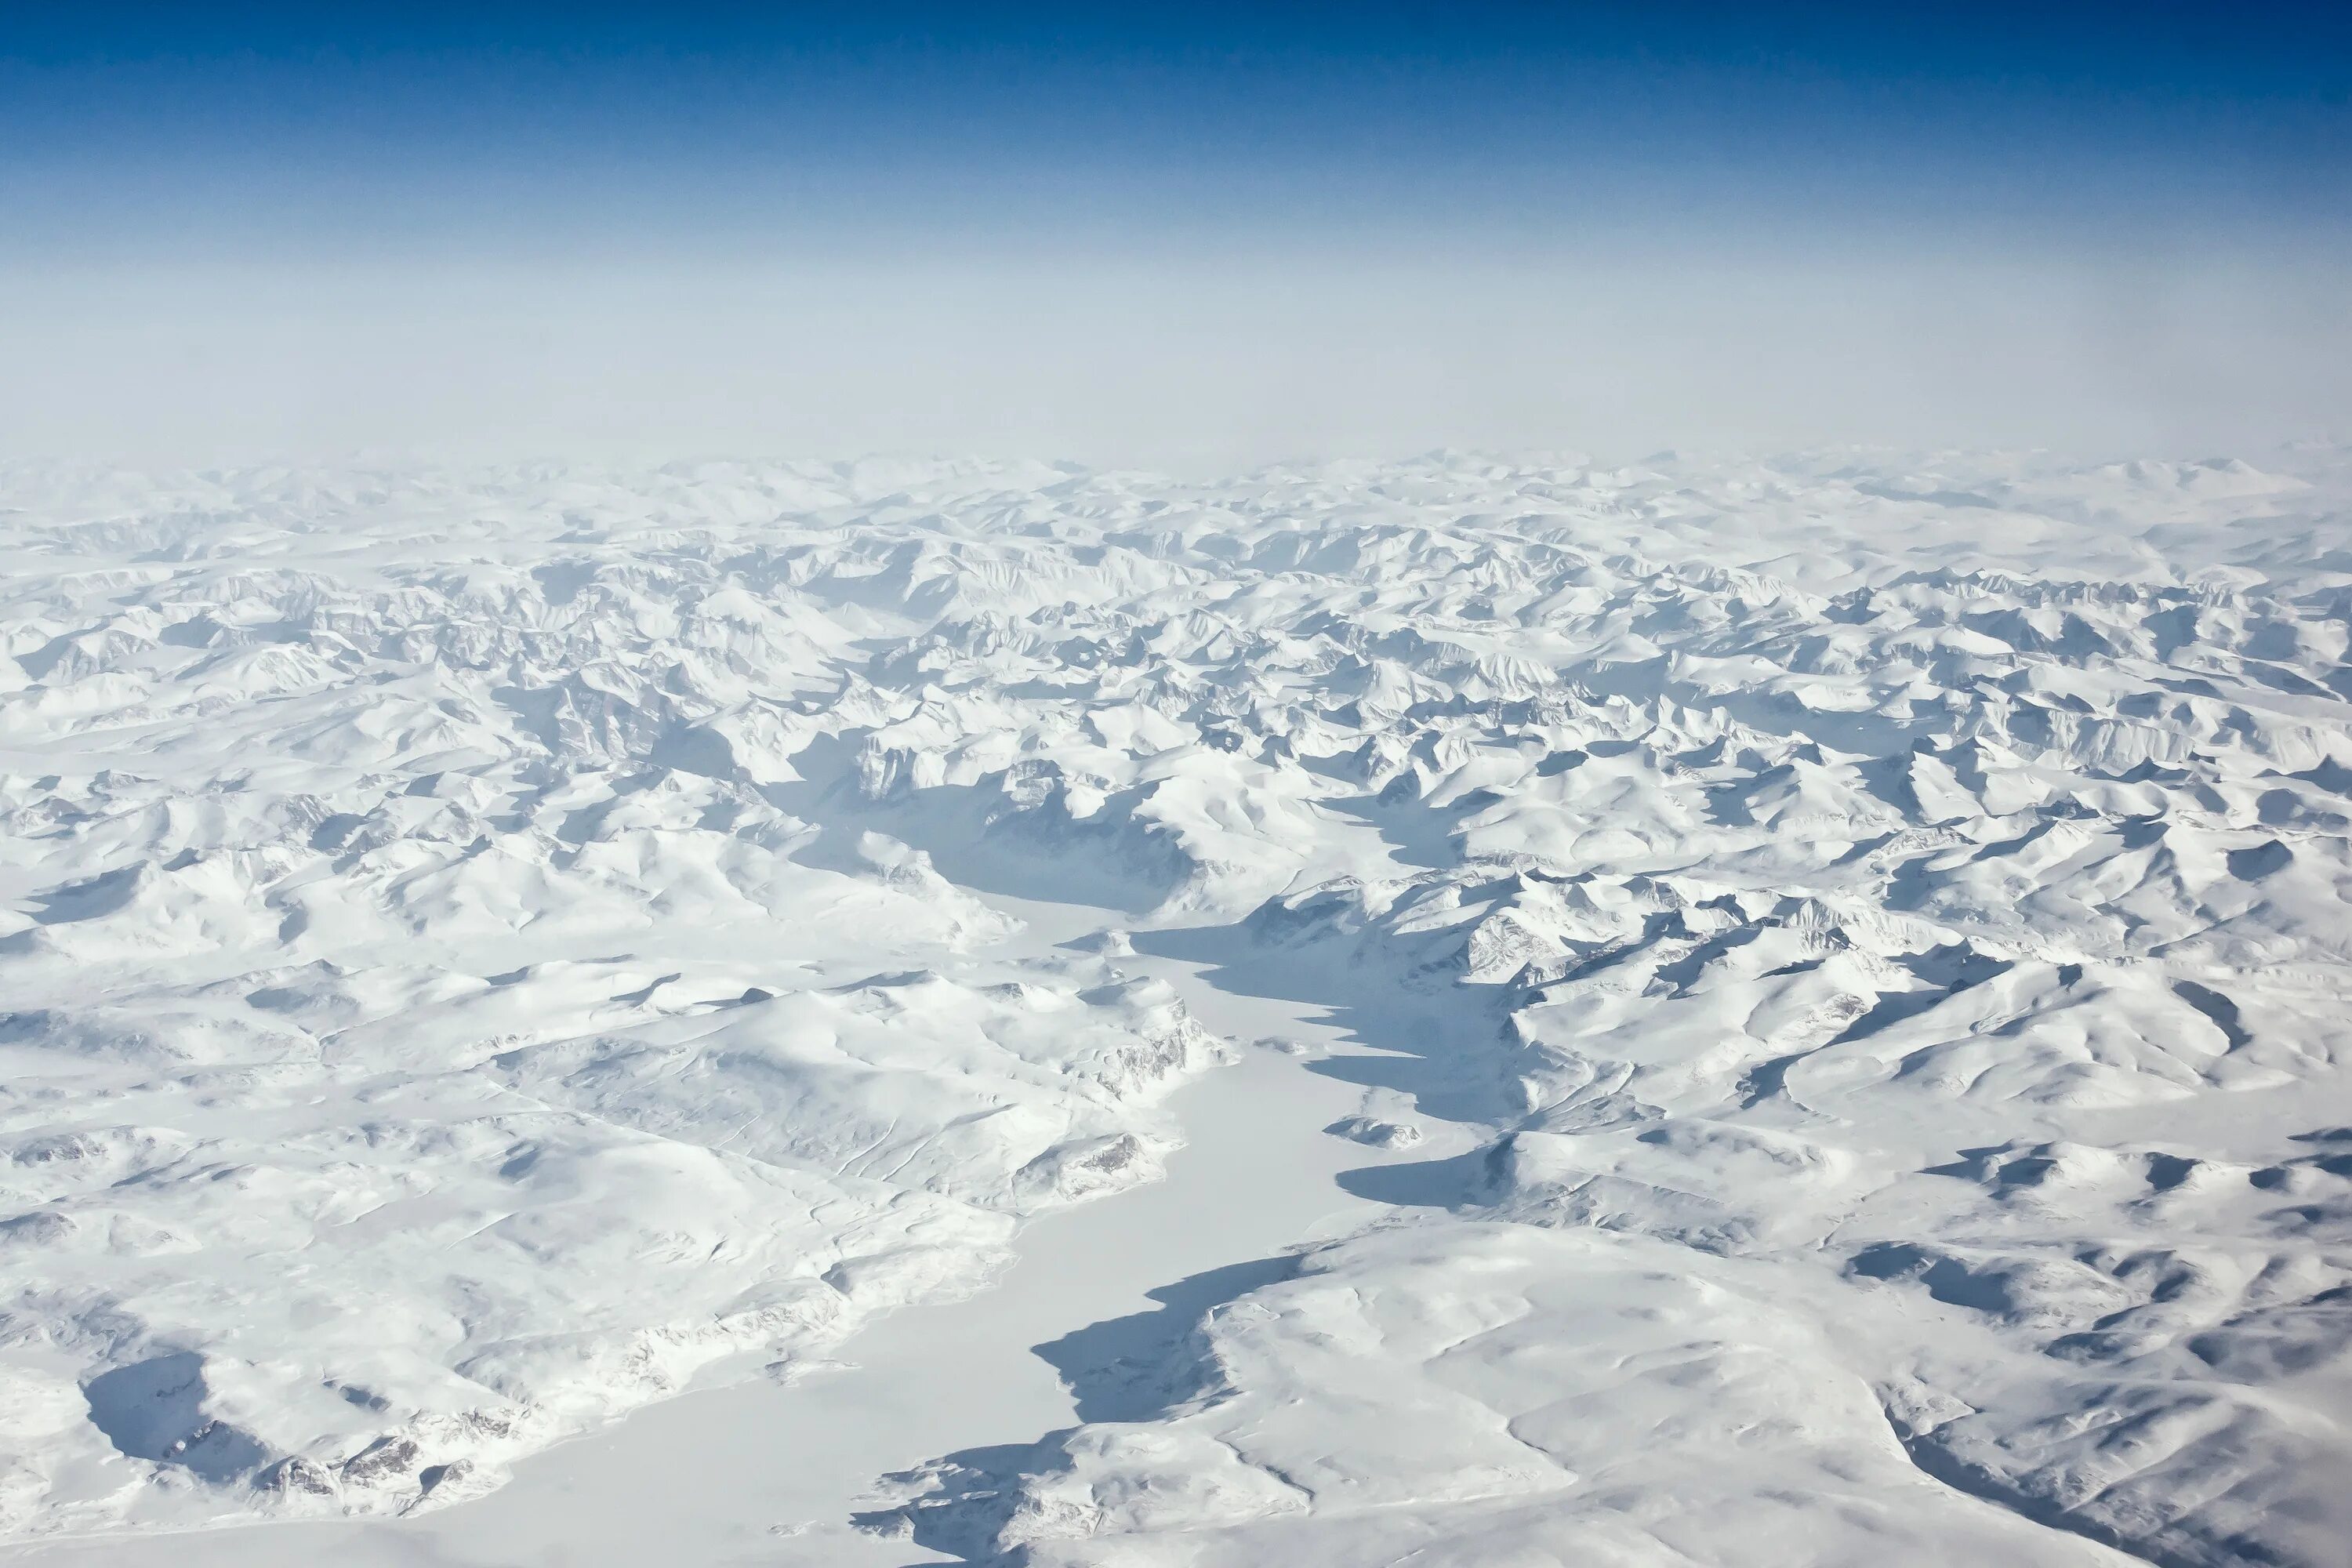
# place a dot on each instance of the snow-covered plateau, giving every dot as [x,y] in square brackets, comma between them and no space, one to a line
[1814,995]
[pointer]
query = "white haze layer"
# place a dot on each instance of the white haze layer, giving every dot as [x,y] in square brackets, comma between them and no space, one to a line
[1846,958]
[1210,357]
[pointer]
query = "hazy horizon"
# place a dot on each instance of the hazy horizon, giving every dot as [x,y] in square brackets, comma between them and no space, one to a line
[1187,239]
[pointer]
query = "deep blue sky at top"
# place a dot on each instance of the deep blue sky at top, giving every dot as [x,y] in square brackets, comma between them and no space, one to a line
[342,126]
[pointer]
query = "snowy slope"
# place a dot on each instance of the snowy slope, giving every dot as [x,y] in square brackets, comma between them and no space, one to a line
[1865,939]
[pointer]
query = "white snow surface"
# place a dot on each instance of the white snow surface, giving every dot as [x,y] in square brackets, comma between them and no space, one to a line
[1833,975]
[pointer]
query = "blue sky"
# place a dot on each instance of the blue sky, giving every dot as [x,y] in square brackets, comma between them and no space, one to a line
[2111,171]
[360,124]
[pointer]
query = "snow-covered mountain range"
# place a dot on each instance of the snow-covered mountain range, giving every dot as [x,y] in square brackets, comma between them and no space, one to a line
[1848,960]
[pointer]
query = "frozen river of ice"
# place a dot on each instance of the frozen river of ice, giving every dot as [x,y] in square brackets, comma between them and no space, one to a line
[754,1473]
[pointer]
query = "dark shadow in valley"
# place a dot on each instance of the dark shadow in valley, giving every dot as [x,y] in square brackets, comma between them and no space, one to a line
[966,1499]
[1122,1369]
[979,836]
[1132,1368]
[1431,1047]
[154,1409]
[1452,1183]
[1416,835]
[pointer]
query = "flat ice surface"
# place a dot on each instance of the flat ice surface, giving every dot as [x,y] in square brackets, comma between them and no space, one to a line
[1467,1011]
[754,1473]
